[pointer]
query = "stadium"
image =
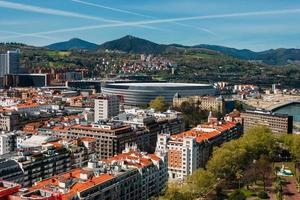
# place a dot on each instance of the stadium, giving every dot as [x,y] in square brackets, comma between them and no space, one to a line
[135,94]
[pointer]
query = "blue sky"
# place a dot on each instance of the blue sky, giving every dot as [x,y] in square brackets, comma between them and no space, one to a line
[255,24]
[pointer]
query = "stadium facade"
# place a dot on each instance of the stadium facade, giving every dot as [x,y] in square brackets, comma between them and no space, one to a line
[135,94]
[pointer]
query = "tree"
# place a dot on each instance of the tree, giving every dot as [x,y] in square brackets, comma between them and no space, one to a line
[293,144]
[175,192]
[249,175]
[201,181]
[159,104]
[264,169]
[192,114]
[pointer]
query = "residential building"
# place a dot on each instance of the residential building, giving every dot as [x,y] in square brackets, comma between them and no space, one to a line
[7,189]
[131,175]
[111,138]
[190,150]
[106,106]
[151,124]
[234,116]
[82,150]
[52,159]
[277,123]
[7,143]
[245,88]
[10,170]
[9,121]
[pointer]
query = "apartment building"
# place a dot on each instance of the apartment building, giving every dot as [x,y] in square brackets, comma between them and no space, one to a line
[36,165]
[7,189]
[131,175]
[81,150]
[106,106]
[7,143]
[10,170]
[111,138]
[9,121]
[277,123]
[151,124]
[190,150]
[40,157]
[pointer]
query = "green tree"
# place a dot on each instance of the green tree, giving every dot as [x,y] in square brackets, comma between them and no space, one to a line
[200,182]
[159,104]
[264,169]
[192,114]
[292,142]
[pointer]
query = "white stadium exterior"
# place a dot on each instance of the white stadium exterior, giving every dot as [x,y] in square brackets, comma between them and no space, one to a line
[142,93]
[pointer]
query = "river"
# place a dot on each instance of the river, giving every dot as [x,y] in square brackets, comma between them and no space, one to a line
[292,109]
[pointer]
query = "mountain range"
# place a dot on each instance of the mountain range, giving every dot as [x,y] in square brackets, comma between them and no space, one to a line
[131,44]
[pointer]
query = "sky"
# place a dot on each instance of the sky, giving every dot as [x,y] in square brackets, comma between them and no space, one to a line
[252,24]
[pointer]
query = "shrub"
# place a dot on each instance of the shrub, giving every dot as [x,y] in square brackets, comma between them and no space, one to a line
[263,195]
[237,195]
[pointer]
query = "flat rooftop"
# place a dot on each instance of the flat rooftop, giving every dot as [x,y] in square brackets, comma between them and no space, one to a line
[160,84]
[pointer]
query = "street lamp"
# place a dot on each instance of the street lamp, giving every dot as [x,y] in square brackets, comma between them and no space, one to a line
[254,163]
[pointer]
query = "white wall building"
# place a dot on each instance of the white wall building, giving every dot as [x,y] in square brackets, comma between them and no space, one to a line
[190,150]
[105,107]
[7,143]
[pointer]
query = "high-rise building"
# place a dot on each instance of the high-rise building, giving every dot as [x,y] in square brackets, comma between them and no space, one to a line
[106,106]
[277,123]
[9,62]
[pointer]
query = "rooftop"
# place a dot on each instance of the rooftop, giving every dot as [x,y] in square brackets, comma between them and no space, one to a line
[134,158]
[204,132]
[159,84]
[73,176]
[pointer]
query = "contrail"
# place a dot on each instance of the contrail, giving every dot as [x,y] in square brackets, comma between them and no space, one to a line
[140,15]
[42,10]
[112,9]
[22,34]
[180,19]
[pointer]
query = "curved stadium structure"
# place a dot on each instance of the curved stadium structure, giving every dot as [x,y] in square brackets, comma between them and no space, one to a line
[143,93]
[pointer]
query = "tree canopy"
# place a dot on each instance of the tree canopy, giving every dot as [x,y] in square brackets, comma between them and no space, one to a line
[159,104]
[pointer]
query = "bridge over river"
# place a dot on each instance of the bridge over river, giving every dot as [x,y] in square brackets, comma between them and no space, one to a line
[273,102]
[283,104]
